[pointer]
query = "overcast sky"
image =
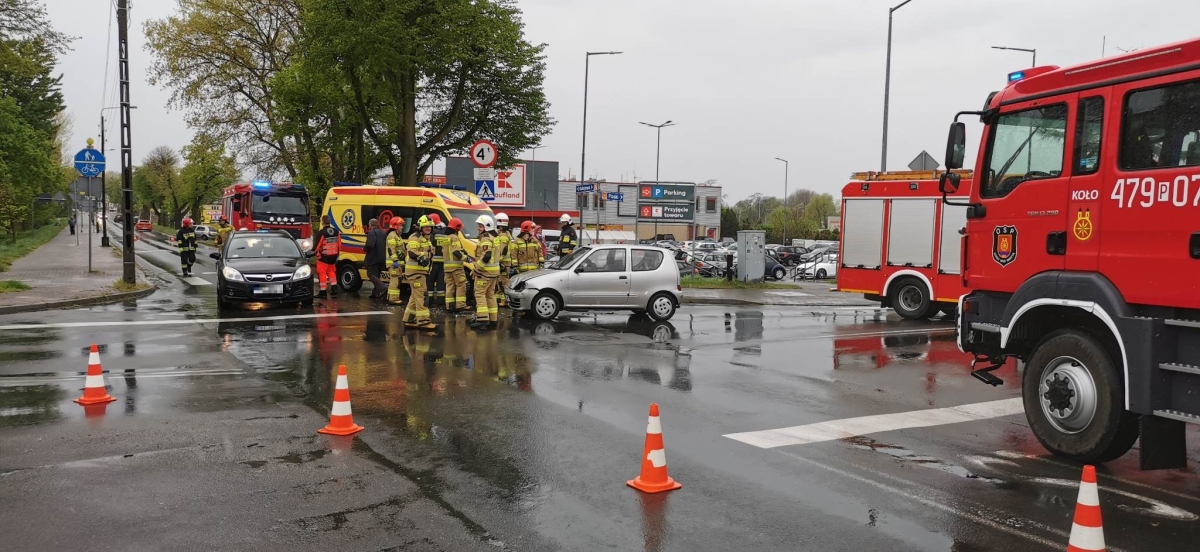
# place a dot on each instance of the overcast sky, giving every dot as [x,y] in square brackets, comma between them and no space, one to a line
[746,81]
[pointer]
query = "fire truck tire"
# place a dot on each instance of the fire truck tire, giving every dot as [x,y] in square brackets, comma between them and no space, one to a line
[349,278]
[910,299]
[1074,398]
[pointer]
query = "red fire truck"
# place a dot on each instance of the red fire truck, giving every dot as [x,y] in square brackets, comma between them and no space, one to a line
[1083,250]
[269,205]
[900,244]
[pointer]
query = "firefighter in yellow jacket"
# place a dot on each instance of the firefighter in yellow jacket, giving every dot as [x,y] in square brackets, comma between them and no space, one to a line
[456,274]
[487,272]
[395,260]
[416,270]
[503,242]
[527,249]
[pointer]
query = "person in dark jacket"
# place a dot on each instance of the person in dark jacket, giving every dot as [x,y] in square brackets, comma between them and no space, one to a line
[186,239]
[376,255]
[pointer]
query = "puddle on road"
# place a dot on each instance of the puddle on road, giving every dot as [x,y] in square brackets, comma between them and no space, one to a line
[903,454]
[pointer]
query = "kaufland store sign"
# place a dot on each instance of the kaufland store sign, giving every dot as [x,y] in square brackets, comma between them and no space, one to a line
[510,187]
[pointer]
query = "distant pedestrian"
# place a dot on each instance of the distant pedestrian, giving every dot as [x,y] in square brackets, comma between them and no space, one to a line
[71,224]
[376,254]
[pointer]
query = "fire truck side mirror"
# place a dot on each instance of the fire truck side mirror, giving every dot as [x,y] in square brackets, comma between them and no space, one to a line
[956,145]
[949,182]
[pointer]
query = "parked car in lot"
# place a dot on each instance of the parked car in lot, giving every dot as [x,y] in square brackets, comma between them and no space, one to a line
[143,225]
[821,266]
[263,266]
[789,254]
[601,276]
[204,232]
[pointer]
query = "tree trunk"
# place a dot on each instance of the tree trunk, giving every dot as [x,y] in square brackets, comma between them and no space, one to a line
[408,134]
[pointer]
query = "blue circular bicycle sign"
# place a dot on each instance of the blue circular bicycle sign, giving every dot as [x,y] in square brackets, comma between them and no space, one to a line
[89,162]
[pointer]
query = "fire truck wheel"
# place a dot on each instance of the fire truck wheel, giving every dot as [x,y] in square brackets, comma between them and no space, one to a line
[349,278]
[1074,398]
[910,299]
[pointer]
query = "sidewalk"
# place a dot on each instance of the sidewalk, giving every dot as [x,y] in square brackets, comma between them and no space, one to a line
[58,275]
[806,295]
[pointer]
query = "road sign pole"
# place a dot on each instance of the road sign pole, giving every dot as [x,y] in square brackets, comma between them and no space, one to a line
[89,227]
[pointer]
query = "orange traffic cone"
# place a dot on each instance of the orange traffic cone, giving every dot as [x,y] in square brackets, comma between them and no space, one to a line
[93,387]
[340,420]
[1087,533]
[654,478]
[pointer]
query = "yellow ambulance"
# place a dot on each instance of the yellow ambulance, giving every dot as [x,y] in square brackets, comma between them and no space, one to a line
[350,208]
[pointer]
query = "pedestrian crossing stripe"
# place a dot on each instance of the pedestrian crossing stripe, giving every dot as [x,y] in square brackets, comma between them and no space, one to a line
[483,189]
[197,281]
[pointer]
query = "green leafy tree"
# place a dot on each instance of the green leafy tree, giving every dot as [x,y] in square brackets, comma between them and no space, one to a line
[208,171]
[819,209]
[729,223]
[163,185]
[447,74]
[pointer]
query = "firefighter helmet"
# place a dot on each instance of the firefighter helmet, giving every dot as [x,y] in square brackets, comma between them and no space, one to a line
[187,222]
[501,220]
[486,222]
[565,219]
[527,227]
[396,223]
[437,220]
[424,222]
[456,224]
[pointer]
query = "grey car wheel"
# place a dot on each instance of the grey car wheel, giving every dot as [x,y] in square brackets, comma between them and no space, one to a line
[662,307]
[545,306]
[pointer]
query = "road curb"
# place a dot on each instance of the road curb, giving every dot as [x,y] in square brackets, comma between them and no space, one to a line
[81,302]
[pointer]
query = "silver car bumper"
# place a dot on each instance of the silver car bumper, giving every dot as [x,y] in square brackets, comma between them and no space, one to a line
[520,300]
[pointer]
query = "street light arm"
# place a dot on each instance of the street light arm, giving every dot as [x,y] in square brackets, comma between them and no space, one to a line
[900,6]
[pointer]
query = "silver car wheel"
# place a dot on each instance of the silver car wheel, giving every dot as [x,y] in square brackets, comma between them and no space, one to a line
[662,307]
[545,306]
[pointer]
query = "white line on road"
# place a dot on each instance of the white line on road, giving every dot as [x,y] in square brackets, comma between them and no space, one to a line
[187,321]
[853,427]
[197,281]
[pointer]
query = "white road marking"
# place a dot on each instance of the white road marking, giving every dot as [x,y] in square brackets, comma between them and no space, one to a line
[1102,476]
[197,281]
[187,321]
[853,427]
[206,273]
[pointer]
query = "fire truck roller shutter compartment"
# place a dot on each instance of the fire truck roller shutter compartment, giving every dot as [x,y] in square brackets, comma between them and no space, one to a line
[910,236]
[863,241]
[954,217]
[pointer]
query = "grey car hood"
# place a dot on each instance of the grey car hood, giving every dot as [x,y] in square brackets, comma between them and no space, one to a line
[526,276]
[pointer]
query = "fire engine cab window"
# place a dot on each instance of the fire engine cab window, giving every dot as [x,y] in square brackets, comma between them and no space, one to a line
[1088,128]
[1025,145]
[273,204]
[1161,128]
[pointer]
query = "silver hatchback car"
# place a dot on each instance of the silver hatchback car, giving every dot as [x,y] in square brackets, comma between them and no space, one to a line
[640,278]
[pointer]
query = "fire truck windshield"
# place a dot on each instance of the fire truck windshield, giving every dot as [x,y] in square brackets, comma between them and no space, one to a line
[1025,145]
[277,204]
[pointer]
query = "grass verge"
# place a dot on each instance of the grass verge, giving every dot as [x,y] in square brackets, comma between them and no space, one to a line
[26,242]
[8,286]
[122,287]
[700,282]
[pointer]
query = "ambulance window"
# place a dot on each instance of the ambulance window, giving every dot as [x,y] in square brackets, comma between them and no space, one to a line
[1088,126]
[1159,128]
[1025,145]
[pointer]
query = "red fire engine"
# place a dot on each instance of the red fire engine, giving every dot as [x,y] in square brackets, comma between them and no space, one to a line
[900,245]
[261,205]
[1083,250]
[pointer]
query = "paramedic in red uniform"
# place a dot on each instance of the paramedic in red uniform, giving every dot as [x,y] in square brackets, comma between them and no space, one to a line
[328,247]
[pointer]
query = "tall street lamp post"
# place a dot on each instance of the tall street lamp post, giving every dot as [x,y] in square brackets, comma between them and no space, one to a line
[785,195]
[583,149]
[887,87]
[657,160]
[1027,50]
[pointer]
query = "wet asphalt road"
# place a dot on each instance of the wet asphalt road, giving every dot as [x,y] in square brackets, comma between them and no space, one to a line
[523,439]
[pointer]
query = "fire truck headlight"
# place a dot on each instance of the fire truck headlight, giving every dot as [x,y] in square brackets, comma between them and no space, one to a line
[272,219]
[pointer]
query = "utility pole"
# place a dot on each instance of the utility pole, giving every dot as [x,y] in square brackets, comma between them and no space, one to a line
[887,88]
[104,177]
[583,149]
[785,195]
[129,264]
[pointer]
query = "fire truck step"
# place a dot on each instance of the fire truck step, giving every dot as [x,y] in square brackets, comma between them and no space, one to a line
[984,327]
[1174,367]
[1184,323]
[1177,415]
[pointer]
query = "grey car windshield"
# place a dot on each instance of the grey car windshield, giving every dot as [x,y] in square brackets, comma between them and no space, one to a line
[570,259]
[257,247]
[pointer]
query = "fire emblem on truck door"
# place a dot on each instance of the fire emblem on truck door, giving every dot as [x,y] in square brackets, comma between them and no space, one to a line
[1004,245]
[1083,225]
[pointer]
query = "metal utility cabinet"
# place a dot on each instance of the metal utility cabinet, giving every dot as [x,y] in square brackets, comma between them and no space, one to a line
[752,255]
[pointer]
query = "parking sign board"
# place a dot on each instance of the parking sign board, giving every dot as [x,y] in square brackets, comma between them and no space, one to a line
[683,212]
[89,162]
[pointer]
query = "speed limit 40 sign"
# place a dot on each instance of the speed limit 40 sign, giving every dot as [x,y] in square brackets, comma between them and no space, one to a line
[483,154]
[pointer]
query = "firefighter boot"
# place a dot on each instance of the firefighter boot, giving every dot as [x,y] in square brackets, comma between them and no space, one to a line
[480,324]
[323,295]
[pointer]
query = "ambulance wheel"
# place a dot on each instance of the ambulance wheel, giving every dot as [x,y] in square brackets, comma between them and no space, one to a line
[910,299]
[1074,398]
[349,278]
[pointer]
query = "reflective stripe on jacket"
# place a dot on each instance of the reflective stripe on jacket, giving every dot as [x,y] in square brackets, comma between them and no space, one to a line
[454,252]
[489,268]
[395,249]
[503,243]
[419,247]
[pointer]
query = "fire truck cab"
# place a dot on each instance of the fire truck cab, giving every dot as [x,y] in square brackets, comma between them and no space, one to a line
[900,245]
[264,205]
[1083,250]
